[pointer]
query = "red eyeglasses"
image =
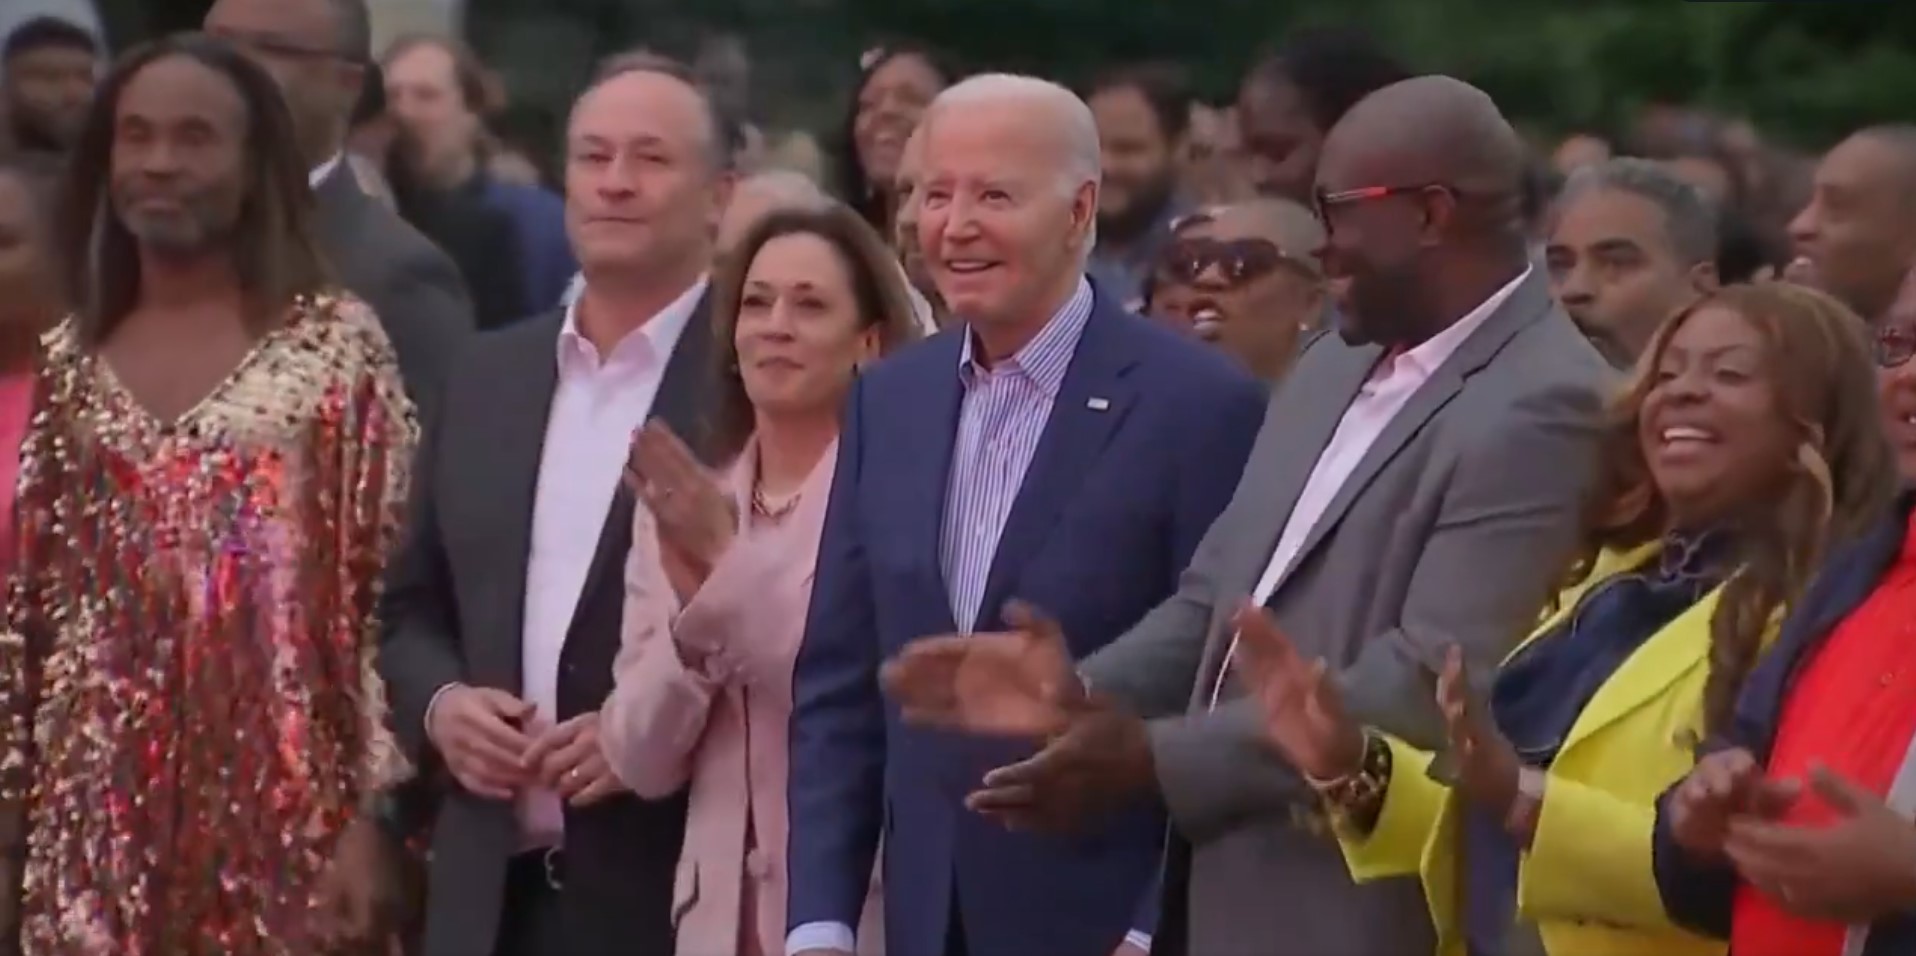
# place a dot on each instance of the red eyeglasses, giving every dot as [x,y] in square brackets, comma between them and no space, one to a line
[1323,201]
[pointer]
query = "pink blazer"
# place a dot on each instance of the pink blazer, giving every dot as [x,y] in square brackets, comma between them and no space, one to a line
[722,729]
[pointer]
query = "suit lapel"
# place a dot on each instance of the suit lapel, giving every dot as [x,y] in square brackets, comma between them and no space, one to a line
[516,428]
[680,403]
[1526,303]
[1308,432]
[1091,403]
[922,465]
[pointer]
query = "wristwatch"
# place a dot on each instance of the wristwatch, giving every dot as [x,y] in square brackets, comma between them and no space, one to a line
[1526,805]
[1362,792]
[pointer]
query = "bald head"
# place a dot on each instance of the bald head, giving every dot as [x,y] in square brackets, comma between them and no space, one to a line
[1039,111]
[1428,129]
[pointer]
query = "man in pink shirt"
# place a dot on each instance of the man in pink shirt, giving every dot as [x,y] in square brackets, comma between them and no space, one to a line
[1415,486]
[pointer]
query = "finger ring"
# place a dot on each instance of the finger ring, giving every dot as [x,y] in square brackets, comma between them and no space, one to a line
[572,776]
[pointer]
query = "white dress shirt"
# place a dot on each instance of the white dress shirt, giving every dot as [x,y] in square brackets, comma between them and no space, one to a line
[319,173]
[1380,399]
[597,405]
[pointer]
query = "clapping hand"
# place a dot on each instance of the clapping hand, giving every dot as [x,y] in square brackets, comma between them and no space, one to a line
[1304,719]
[1858,869]
[1487,765]
[696,518]
[1015,683]
[1723,785]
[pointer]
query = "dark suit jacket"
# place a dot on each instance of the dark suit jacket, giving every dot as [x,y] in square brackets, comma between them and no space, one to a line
[454,613]
[407,280]
[1142,449]
[1699,896]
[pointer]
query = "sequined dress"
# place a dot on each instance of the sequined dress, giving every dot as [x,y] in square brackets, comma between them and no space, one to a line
[191,712]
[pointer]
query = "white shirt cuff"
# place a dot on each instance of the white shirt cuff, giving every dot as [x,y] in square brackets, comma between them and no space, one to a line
[831,937]
[1140,940]
[434,702]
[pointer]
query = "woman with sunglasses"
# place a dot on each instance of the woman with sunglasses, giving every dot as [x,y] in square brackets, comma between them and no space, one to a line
[1793,837]
[1244,277]
[1748,441]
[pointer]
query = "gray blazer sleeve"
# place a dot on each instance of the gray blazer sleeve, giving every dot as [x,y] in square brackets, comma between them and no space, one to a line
[1507,518]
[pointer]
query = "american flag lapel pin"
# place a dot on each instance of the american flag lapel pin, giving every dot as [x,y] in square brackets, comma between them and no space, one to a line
[1098,404]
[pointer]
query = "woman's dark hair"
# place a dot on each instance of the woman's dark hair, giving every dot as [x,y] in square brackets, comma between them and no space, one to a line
[272,244]
[865,197]
[1819,359]
[879,291]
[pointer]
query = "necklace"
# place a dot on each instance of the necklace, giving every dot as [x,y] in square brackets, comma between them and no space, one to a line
[773,508]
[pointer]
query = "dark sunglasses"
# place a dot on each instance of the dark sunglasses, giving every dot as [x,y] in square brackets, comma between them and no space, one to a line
[1894,346]
[1323,200]
[1238,261]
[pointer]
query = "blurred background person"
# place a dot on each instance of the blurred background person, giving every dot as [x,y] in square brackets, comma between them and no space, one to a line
[1630,246]
[895,85]
[508,240]
[319,51]
[719,576]
[31,302]
[1245,277]
[1857,236]
[440,95]
[1291,98]
[1143,113]
[48,67]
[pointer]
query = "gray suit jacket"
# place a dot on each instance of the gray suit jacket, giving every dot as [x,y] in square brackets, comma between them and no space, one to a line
[412,286]
[1452,529]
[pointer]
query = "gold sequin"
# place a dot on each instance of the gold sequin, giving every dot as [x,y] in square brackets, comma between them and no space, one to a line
[191,714]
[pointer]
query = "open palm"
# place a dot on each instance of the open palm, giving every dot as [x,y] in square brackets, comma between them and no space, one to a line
[1304,717]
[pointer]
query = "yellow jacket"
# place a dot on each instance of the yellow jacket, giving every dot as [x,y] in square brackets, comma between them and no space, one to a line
[1586,881]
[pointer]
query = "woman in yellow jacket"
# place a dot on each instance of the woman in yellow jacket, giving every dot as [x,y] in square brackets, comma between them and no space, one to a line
[1748,440]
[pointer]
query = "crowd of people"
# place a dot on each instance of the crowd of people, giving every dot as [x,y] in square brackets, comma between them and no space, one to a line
[1088,524]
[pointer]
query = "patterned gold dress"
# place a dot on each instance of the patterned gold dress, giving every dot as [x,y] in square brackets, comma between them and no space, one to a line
[191,712]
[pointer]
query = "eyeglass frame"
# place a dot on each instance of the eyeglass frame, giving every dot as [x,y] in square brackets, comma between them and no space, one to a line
[1323,200]
[1892,346]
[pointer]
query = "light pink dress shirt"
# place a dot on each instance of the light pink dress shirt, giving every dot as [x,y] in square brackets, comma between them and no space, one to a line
[1390,388]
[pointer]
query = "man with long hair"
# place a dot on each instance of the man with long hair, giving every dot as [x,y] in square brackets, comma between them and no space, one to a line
[191,729]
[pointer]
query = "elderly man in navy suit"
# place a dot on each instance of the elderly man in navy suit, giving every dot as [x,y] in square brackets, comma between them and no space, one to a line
[1050,448]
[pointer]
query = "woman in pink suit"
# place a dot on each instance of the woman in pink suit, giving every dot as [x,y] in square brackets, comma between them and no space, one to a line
[721,566]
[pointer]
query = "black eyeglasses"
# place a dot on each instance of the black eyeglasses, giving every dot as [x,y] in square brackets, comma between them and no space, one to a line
[1236,261]
[1894,346]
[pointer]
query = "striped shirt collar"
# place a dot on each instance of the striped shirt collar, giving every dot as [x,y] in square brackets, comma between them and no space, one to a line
[1047,356]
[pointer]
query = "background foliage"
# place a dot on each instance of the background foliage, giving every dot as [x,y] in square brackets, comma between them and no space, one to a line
[1806,72]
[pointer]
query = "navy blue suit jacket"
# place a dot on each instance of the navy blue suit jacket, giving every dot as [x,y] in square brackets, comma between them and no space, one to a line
[1698,896]
[1116,499]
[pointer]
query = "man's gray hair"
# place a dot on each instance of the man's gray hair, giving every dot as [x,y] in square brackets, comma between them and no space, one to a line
[1691,220]
[1077,129]
[718,147]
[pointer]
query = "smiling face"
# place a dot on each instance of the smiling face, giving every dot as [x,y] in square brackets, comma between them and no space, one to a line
[800,333]
[890,104]
[1713,427]
[1002,223]
[1896,376]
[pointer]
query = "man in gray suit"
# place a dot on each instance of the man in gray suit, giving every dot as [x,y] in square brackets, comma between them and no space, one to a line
[318,51]
[1416,485]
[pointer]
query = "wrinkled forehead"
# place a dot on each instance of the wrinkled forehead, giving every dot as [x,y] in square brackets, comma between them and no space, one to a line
[996,143]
